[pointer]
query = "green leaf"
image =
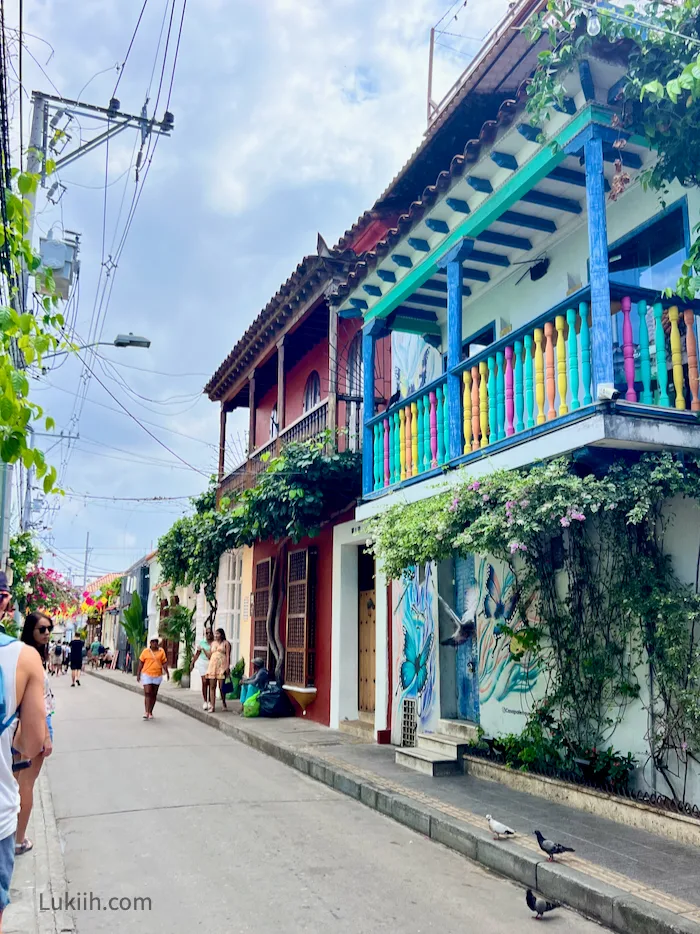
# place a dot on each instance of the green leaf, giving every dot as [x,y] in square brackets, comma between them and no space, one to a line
[26,183]
[50,423]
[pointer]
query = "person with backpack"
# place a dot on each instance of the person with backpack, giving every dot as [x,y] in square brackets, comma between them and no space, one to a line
[35,633]
[56,658]
[21,699]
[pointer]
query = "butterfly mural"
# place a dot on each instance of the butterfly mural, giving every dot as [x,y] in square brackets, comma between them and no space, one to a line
[414,612]
[415,363]
[499,673]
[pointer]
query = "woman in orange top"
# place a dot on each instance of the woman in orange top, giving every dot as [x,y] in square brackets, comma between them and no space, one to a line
[152,664]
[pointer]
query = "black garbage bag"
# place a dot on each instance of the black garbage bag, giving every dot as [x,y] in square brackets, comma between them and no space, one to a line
[275,703]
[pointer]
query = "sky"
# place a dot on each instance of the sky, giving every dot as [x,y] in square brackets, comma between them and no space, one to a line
[291,117]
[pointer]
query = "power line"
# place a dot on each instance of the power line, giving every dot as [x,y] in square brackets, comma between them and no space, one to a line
[128,499]
[131,44]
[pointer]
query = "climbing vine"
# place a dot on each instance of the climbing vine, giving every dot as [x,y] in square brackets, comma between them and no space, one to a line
[658,98]
[600,608]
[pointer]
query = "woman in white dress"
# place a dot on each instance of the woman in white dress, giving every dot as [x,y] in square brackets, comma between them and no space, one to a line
[201,663]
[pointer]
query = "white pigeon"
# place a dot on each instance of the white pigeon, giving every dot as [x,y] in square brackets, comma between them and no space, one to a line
[498,829]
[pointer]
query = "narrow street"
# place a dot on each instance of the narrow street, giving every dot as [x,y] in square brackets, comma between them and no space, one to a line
[221,837]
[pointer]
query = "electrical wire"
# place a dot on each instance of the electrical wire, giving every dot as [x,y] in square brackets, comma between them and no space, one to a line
[131,45]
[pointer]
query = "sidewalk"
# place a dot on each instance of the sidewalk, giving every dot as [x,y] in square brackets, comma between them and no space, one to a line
[627,879]
[39,874]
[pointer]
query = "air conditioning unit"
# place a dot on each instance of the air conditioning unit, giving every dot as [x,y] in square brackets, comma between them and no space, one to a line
[61,257]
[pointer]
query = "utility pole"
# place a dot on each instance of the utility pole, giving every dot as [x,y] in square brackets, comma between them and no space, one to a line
[47,113]
[87,554]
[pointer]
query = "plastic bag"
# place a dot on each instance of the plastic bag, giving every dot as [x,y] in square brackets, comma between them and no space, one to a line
[251,708]
[275,703]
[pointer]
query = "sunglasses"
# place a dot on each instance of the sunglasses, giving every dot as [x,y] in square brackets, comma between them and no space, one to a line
[42,630]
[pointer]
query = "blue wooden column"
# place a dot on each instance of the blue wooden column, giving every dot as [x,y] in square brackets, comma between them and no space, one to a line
[370,334]
[601,330]
[452,262]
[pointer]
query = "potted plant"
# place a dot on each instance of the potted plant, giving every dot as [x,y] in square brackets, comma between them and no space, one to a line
[179,626]
[133,627]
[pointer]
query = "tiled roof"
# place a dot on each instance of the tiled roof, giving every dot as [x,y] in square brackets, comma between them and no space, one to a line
[472,152]
[306,279]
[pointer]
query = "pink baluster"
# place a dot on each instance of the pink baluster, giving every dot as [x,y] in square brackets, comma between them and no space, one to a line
[510,404]
[433,430]
[386,452]
[628,348]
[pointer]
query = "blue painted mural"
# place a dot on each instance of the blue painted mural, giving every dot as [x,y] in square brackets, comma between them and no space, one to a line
[414,363]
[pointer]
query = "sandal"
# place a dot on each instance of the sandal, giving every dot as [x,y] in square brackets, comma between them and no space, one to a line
[24,847]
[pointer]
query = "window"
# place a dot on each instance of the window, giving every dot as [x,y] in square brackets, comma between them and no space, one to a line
[651,256]
[353,408]
[312,391]
[480,341]
[264,574]
[230,595]
[274,423]
[300,663]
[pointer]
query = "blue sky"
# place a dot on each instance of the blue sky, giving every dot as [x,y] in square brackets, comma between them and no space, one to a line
[291,116]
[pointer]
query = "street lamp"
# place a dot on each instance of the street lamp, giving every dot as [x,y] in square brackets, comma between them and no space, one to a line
[121,340]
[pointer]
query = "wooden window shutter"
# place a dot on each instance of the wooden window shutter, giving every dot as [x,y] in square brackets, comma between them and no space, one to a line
[300,664]
[261,604]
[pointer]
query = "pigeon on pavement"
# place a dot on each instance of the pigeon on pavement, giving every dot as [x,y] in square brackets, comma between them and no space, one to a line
[498,829]
[539,905]
[551,848]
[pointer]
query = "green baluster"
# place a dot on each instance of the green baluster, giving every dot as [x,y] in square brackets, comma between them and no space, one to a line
[397,447]
[440,426]
[644,356]
[378,455]
[573,358]
[446,421]
[518,387]
[500,395]
[661,362]
[493,423]
[585,335]
[419,432]
[529,383]
[427,456]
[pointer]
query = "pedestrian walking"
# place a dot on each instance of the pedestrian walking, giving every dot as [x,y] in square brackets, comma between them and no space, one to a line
[77,648]
[94,652]
[218,668]
[56,658]
[21,698]
[201,663]
[36,633]
[66,656]
[152,664]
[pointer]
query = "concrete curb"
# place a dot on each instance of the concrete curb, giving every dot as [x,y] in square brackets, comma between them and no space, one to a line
[51,880]
[604,903]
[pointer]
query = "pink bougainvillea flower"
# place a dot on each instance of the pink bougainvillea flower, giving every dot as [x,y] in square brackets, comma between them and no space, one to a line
[565,521]
[475,485]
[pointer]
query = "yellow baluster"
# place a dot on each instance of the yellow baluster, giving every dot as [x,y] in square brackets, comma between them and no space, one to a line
[484,402]
[676,356]
[467,410]
[409,446]
[539,376]
[562,385]
[414,439]
[402,442]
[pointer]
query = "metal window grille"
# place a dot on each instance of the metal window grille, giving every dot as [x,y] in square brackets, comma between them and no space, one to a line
[409,722]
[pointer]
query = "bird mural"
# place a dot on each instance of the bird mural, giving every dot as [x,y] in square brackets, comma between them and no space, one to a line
[466,626]
[551,848]
[538,904]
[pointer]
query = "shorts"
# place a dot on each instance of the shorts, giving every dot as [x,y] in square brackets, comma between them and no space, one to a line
[49,724]
[150,679]
[7,864]
[76,666]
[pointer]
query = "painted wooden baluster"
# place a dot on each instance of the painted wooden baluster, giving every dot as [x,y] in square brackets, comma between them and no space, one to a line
[628,348]
[585,335]
[562,382]
[518,385]
[501,394]
[427,456]
[644,357]
[493,422]
[378,455]
[529,383]
[433,430]
[408,426]
[484,403]
[396,437]
[539,376]
[440,426]
[549,370]
[661,363]
[387,452]
[415,428]
[476,422]
[420,429]
[392,449]
[691,347]
[402,444]
[677,357]
[446,418]
[510,402]
[572,347]
[467,411]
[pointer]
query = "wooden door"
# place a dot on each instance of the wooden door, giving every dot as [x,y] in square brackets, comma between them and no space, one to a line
[264,573]
[367,651]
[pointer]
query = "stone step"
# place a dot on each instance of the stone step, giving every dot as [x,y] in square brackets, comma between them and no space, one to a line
[448,746]
[359,728]
[464,730]
[426,761]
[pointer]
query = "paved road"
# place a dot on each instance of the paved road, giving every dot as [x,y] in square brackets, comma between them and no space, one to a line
[222,838]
